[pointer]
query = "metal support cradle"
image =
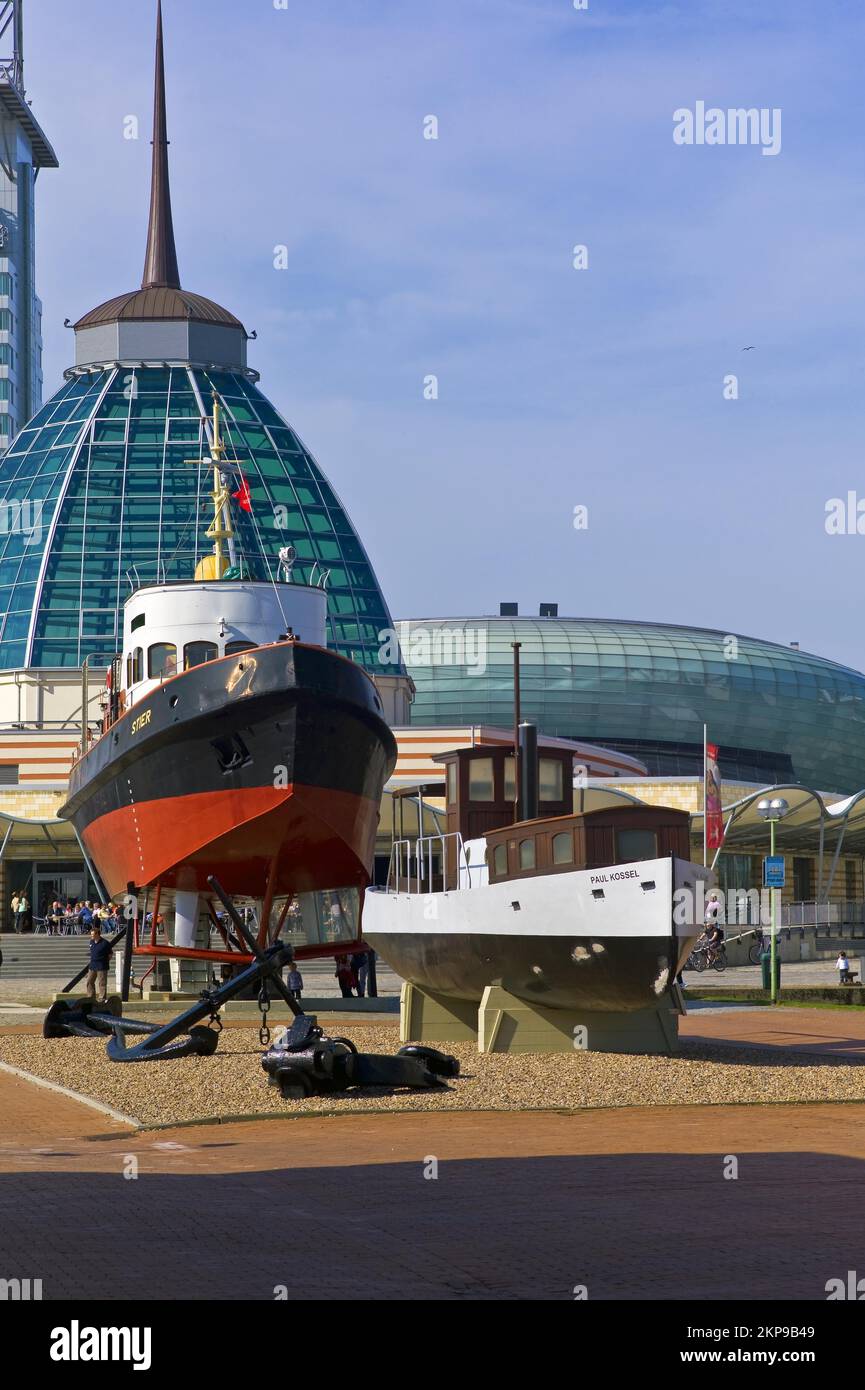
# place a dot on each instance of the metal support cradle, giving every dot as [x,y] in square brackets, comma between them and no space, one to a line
[302,1062]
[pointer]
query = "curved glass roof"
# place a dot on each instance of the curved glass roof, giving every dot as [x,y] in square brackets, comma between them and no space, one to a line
[96,498]
[643,685]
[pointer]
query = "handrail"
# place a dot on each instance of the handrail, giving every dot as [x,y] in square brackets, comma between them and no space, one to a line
[431,872]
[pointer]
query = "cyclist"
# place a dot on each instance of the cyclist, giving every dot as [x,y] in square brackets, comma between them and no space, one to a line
[714,932]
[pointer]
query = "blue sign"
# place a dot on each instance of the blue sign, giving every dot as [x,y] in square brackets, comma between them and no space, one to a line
[773,871]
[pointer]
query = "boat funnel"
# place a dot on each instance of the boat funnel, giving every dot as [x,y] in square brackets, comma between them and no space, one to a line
[528,735]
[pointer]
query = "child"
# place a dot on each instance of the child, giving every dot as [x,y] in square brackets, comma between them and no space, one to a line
[295,983]
[842,965]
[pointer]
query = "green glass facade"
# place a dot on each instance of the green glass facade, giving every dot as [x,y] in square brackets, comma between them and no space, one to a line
[98,498]
[647,688]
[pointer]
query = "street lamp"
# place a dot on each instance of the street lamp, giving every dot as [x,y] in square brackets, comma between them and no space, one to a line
[773,810]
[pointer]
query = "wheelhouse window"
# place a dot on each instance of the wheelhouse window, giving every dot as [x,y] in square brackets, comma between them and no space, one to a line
[635,844]
[134,667]
[452,784]
[500,860]
[232,648]
[481,779]
[527,854]
[162,660]
[196,653]
[551,785]
[510,784]
[563,848]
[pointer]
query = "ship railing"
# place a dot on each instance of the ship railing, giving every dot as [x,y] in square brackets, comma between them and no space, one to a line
[428,864]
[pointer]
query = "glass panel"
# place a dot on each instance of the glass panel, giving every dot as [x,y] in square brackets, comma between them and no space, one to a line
[510,784]
[527,854]
[162,660]
[550,778]
[138,665]
[635,844]
[452,784]
[315,918]
[563,848]
[500,860]
[196,653]
[232,648]
[480,779]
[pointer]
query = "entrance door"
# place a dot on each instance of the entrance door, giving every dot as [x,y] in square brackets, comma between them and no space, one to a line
[68,886]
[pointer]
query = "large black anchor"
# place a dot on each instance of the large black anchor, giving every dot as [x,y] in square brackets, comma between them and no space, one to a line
[181,1037]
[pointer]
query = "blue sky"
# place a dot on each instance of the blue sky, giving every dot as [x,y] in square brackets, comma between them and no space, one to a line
[410,257]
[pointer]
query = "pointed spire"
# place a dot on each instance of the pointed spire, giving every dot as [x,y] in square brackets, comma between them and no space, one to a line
[160,264]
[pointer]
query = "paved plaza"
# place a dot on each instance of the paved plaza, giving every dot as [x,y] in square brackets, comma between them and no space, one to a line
[630,1203]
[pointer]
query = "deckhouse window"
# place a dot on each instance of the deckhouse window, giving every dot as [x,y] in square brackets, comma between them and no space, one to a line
[527,854]
[232,648]
[550,779]
[635,844]
[162,660]
[500,860]
[196,653]
[134,667]
[563,848]
[481,779]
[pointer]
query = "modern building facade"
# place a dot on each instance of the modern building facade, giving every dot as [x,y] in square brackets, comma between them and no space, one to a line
[647,689]
[108,487]
[24,150]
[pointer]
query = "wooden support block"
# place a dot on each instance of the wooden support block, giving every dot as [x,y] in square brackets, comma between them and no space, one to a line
[507,1024]
[434,1018]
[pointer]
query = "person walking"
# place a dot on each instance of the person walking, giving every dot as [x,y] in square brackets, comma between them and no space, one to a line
[100,954]
[13,908]
[295,983]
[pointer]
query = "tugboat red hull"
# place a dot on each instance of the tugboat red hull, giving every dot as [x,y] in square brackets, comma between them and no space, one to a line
[265,766]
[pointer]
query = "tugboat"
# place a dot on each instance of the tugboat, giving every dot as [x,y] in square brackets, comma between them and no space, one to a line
[234,743]
[589,912]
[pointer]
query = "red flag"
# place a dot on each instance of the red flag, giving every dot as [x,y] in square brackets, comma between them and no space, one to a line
[242,496]
[712,800]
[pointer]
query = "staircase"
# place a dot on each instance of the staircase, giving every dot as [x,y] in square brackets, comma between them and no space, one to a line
[42,957]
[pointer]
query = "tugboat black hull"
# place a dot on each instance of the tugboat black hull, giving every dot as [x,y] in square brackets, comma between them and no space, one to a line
[268,763]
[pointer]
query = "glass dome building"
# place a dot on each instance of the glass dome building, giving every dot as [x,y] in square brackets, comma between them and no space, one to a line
[101,491]
[778,714]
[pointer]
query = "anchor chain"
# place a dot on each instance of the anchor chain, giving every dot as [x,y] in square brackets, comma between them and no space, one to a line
[264,1006]
[214,1022]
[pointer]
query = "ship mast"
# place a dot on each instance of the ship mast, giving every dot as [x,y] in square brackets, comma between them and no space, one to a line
[220,530]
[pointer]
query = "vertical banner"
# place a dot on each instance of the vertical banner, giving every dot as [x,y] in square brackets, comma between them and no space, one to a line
[714,819]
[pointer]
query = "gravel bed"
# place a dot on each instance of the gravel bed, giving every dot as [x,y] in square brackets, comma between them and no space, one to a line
[232,1081]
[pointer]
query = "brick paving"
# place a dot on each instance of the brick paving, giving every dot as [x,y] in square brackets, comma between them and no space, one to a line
[631,1203]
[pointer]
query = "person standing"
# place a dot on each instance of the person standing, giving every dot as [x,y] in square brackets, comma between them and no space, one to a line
[100,954]
[842,965]
[360,965]
[13,907]
[295,983]
[345,975]
[23,913]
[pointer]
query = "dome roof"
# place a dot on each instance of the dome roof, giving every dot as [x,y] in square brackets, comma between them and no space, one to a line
[647,689]
[158,302]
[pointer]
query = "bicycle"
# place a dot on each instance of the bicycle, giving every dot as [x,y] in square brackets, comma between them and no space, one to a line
[756,951]
[699,958]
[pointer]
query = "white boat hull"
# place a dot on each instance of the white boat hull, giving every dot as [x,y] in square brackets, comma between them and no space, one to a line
[601,939]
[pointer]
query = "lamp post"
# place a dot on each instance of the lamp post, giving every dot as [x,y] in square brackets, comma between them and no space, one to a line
[773,810]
